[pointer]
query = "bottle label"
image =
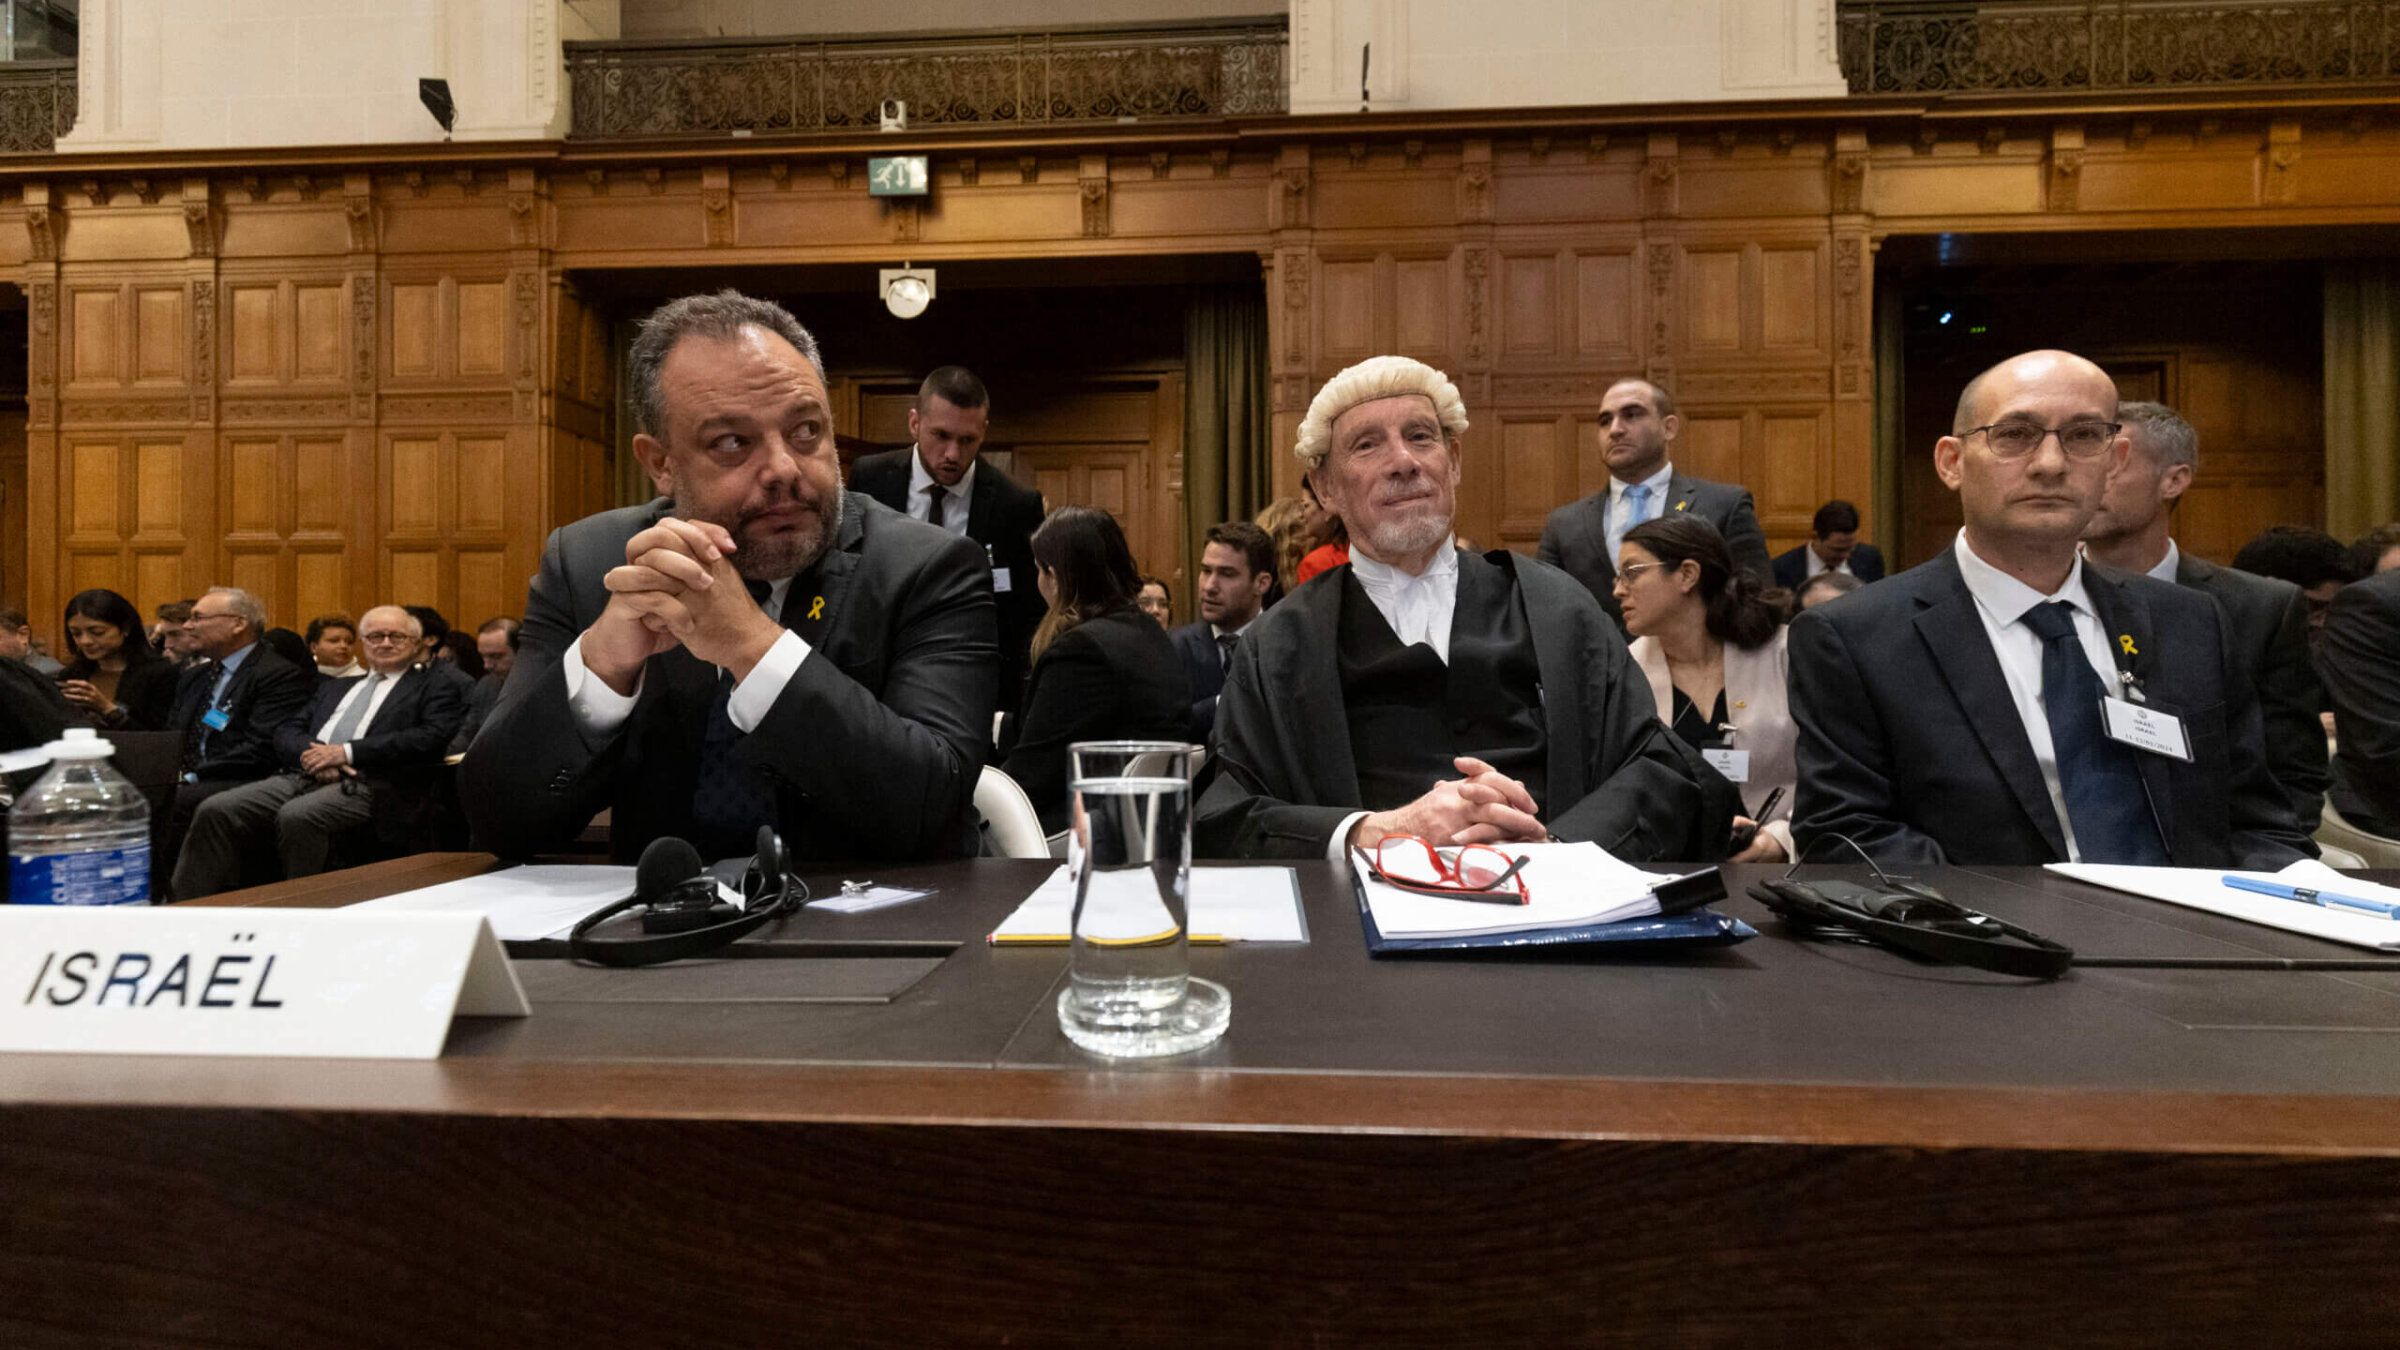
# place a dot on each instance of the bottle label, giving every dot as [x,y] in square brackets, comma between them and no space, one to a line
[113,876]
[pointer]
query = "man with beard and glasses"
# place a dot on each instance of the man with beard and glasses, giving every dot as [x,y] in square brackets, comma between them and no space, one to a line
[1421,689]
[757,646]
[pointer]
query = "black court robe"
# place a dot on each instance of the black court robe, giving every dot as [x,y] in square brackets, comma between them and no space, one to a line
[1284,774]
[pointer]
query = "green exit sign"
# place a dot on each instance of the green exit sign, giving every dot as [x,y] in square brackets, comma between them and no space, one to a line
[897,176]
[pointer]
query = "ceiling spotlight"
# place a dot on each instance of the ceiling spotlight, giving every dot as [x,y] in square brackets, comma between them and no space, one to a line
[435,95]
[906,290]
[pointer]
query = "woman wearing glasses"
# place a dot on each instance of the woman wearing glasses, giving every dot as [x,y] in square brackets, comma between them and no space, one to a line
[1710,639]
[1102,669]
[116,679]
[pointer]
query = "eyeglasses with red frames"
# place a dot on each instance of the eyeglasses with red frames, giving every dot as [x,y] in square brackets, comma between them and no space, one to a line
[1473,872]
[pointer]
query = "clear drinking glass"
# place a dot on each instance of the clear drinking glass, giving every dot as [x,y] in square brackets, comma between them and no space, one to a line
[1130,992]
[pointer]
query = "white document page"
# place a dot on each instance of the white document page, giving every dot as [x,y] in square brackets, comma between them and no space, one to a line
[2205,888]
[523,903]
[1571,886]
[1228,904]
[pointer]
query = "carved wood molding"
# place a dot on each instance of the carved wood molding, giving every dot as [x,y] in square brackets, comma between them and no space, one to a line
[2065,177]
[123,411]
[268,409]
[1478,263]
[1092,187]
[446,408]
[1744,386]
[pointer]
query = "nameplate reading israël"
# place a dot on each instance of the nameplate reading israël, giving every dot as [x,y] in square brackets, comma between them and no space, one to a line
[209,981]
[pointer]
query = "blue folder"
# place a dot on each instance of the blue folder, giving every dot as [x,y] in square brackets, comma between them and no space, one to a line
[1701,927]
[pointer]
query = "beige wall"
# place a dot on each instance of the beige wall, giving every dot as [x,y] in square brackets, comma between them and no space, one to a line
[819,18]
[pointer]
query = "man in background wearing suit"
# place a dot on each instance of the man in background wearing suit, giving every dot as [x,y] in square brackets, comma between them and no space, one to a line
[942,482]
[2359,656]
[1638,425]
[2266,621]
[1835,549]
[1237,569]
[756,647]
[366,752]
[229,705]
[1955,713]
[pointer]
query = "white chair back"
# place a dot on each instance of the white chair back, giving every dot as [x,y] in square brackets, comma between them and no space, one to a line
[1005,808]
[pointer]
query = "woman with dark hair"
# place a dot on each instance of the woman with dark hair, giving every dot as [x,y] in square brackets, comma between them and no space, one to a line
[1102,669]
[1710,639]
[117,678]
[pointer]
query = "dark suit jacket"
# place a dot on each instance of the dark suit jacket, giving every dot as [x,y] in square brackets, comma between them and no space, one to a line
[873,747]
[1115,677]
[146,691]
[1575,538]
[1284,775]
[401,754]
[2266,628]
[1196,645]
[32,711]
[1001,516]
[1910,744]
[266,691]
[1791,565]
[2359,656]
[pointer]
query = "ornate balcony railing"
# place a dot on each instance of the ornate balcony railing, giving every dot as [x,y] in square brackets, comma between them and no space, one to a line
[1956,46]
[627,90]
[37,105]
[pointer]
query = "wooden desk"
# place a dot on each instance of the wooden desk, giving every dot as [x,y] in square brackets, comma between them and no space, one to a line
[1778,1141]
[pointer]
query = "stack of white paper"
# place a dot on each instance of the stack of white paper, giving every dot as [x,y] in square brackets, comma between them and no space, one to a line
[1571,886]
[1228,904]
[526,904]
[2205,888]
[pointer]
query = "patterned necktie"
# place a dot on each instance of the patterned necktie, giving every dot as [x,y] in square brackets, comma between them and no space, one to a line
[2097,776]
[1225,643]
[345,727]
[933,505]
[729,802]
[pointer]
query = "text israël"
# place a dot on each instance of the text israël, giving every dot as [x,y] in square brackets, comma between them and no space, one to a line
[136,980]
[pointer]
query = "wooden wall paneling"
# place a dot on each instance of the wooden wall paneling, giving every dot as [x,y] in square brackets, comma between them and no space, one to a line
[1607,320]
[1529,304]
[1347,312]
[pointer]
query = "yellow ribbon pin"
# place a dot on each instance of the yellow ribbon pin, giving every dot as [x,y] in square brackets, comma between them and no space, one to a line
[1683,505]
[2125,640]
[816,610]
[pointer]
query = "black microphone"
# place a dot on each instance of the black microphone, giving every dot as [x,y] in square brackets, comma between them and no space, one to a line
[677,888]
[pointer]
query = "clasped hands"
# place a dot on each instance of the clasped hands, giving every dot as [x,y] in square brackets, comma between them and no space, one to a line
[1484,807]
[324,763]
[677,589]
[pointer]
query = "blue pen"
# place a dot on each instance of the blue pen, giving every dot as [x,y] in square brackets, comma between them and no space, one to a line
[2380,908]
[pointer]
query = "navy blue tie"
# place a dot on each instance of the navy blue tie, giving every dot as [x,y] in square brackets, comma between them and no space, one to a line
[2097,776]
[729,802]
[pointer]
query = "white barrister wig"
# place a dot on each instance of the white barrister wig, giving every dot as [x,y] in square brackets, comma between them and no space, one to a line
[1371,379]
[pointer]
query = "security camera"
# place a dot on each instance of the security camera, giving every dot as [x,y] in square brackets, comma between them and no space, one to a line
[906,291]
[895,114]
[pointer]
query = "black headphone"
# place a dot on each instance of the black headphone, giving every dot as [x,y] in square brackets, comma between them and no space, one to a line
[1911,918]
[685,916]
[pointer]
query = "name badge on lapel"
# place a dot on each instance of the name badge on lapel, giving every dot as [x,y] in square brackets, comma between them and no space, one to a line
[1733,764]
[215,719]
[1000,581]
[2145,727]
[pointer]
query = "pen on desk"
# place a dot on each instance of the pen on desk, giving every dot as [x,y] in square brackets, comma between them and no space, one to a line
[2380,908]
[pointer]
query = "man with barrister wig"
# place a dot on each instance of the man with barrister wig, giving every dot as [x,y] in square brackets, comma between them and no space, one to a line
[1425,690]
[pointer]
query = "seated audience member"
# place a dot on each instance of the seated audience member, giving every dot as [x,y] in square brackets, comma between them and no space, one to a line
[1424,691]
[1822,587]
[290,646]
[757,647]
[333,644]
[229,707]
[2378,550]
[2360,661]
[1237,569]
[1157,601]
[1835,549]
[1332,551]
[366,752]
[496,643]
[2310,559]
[461,653]
[1102,670]
[116,680]
[32,710]
[1953,713]
[1710,640]
[17,643]
[173,635]
[2266,621]
[1638,426]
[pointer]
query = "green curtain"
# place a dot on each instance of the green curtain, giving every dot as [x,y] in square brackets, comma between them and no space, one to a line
[2362,396]
[1226,458]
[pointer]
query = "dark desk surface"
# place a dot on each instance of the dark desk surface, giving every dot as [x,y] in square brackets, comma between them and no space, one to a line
[1773,1038]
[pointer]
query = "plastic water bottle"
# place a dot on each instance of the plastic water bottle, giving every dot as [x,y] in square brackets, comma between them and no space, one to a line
[81,835]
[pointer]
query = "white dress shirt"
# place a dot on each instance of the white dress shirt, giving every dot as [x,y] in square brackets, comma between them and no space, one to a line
[1419,609]
[2002,602]
[601,711]
[956,499]
[1817,567]
[2165,571]
[342,672]
[383,690]
[1652,509]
